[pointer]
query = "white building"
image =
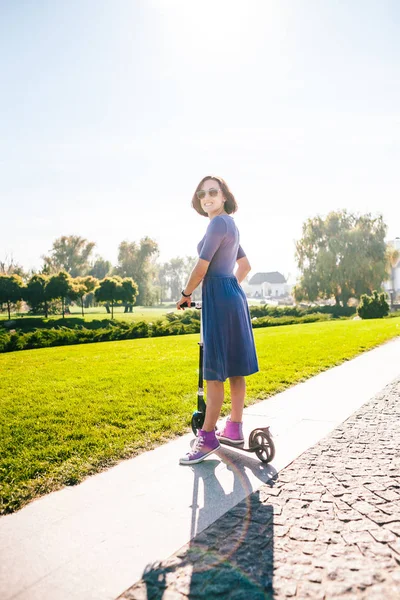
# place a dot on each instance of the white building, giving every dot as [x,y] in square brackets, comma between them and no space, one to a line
[394,281]
[263,285]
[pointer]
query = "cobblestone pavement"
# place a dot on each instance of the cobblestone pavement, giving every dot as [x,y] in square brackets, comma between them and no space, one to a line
[327,526]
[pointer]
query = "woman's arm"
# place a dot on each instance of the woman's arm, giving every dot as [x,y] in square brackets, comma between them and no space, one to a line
[243,268]
[196,276]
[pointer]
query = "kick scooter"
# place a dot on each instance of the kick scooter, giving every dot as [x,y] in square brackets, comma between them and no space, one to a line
[260,439]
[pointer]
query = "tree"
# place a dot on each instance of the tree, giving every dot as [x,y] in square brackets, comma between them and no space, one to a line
[174,274]
[136,261]
[100,268]
[115,289]
[70,254]
[60,286]
[190,262]
[163,280]
[36,294]
[9,267]
[341,256]
[128,291]
[177,275]
[11,290]
[82,286]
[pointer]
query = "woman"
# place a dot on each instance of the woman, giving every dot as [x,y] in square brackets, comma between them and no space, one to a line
[229,351]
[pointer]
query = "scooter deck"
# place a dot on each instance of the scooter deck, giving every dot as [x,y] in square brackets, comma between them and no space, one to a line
[250,445]
[259,441]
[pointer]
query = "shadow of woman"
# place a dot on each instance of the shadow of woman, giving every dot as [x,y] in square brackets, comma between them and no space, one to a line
[230,558]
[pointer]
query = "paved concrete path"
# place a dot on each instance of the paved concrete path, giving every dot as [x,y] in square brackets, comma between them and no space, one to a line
[326,527]
[93,540]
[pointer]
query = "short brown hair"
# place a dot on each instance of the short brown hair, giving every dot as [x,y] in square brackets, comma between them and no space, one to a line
[230,202]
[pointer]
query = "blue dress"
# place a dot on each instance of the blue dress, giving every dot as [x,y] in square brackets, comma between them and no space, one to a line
[229,348]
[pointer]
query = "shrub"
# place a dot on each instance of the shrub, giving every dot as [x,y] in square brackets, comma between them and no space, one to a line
[276,321]
[4,340]
[276,311]
[373,307]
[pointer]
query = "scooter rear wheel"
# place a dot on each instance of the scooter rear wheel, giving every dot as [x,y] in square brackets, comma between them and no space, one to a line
[197,421]
[266,448]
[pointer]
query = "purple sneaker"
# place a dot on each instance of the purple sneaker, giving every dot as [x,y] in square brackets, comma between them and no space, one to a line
[232,433]
[205,443]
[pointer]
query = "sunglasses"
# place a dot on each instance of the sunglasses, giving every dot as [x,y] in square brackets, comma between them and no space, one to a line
[213,192]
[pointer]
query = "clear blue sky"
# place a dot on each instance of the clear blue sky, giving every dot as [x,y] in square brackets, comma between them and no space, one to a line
[112,111]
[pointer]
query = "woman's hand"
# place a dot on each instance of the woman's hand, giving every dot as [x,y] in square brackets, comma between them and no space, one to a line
[183,300]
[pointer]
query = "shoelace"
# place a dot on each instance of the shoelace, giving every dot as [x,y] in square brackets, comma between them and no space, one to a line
[199,441]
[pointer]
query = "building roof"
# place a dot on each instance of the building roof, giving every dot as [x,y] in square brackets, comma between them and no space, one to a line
[274,277]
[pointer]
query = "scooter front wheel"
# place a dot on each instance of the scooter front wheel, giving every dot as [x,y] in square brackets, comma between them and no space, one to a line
[197,421]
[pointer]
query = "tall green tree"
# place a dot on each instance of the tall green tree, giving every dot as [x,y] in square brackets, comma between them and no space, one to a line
[190,262]
[70,253]
[162,280]
[177,275]
[116,289]
[61,286]
[137,261]
[9,267]
[11,291]
[100,268]
[341,256]
[173,275]
[36,294]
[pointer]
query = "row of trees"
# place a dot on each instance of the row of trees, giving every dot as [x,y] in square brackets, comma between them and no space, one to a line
[137,260]
[341,256]
[41,290]
[73,255]
[156,282]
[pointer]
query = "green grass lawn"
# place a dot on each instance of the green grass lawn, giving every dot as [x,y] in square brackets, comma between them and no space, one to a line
[71,411]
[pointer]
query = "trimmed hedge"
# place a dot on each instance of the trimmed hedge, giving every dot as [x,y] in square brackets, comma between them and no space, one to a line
[275,321]
[33,323]
[298,311]
[114,330]
[189,322]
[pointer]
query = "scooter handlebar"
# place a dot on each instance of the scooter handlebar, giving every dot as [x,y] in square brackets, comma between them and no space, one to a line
[192,305]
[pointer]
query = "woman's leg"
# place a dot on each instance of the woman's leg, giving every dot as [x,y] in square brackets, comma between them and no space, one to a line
[215,398]
[238,391]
